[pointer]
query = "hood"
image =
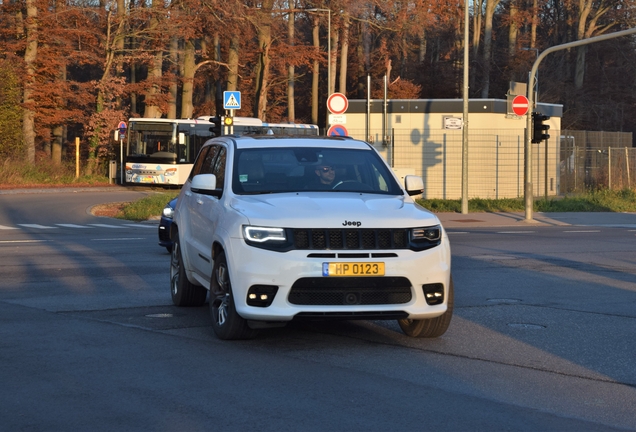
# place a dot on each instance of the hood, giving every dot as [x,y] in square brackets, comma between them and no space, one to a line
[333,210]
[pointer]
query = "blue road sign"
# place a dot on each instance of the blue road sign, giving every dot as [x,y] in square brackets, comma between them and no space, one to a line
[337,130]
[231,100]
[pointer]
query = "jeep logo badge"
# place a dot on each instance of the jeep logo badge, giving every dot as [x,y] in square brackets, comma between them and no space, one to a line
[351,223]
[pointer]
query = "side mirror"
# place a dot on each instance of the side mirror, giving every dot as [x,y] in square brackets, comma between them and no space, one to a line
[414,185]
[205,184]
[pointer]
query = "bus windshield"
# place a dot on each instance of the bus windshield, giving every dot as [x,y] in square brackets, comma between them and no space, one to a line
[152,140]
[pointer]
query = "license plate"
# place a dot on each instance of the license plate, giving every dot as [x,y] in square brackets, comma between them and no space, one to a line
[353,269]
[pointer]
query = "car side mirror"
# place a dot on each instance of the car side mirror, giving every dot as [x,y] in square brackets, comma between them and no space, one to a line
[414,185]
[205,184]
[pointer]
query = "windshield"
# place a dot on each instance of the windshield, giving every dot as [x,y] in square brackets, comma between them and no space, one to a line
[155,140]
[271,170]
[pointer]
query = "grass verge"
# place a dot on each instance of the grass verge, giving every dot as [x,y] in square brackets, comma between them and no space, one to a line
[592,201]
[18,173]
[147,207]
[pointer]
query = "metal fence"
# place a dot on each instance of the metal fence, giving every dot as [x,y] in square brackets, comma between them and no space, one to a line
[609,168]
[496,161]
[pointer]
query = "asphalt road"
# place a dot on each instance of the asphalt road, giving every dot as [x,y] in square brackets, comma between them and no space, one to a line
[542,337]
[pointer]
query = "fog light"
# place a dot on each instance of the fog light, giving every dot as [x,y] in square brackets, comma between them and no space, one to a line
[433,293]
[261,295]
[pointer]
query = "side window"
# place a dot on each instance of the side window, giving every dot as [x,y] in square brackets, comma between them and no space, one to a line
[208,162]
[219,168]
[196,169]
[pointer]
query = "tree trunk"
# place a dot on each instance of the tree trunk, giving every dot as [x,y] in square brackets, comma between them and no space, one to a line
[585,30]
[154,69]
[344,54]
[333,56]
[291,108]
[56,145]
[316,73]
[422,47]
[264,31]
[173,89]
[535,22]
[233,58]
[477,6]
[513,30]
[491,5]
[30,56]
[189,68]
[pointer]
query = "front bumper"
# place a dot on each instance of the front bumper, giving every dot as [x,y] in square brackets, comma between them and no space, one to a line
[250,266]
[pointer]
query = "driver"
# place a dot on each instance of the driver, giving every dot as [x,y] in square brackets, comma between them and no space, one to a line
[325,176]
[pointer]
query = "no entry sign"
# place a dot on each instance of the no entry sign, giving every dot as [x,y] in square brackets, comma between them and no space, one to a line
[520,105]
[337,103]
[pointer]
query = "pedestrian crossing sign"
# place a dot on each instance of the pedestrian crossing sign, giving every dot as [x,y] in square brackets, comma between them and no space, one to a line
[231,100]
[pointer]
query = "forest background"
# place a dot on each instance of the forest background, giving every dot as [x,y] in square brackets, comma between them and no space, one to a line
[76,68]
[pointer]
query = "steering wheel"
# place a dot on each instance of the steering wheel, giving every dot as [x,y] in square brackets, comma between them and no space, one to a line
[353,185]
[342,182]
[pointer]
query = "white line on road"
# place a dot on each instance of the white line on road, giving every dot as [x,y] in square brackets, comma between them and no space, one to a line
[516,232]
[72,226]
[23,241]
[106,226]
[119,238]
[37,226]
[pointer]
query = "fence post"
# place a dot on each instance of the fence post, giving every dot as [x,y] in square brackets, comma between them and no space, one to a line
[627,166]
[609,168]
[77,154]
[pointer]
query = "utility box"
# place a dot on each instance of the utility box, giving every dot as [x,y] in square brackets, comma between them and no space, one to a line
[112,171]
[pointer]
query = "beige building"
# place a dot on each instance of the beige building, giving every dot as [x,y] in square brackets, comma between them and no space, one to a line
[424,137]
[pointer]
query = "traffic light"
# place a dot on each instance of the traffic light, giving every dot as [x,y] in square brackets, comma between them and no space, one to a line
[539,130]
[220,123]
[217,129]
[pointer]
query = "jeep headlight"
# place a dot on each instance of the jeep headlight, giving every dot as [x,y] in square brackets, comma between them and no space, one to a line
[264,234]
[423,238]
[427,233]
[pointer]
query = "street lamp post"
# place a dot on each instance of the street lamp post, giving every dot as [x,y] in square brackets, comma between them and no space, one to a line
[328,50]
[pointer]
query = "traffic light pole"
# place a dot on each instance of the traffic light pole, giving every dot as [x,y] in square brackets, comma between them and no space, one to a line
[528,194]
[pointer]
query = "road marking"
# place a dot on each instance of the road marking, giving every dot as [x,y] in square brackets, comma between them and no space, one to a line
[583,231]
[106,226]
[72,226]
[23,241]
[516,232]
[457,232]
[118,239]
[37,226]
[2,227]
[141,226]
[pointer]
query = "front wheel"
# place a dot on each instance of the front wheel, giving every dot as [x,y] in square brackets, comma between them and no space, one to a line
[226,322]
[430,328]
[183,292]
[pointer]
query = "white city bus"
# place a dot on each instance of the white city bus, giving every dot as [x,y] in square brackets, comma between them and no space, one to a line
[162,151]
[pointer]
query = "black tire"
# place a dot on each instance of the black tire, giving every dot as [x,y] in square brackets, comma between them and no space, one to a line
[184,293]
[226,322]
[430,328]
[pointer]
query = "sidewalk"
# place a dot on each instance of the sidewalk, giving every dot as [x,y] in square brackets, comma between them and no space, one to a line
[517,219]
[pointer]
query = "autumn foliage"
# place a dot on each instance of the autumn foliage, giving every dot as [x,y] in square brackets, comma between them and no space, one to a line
[71,68]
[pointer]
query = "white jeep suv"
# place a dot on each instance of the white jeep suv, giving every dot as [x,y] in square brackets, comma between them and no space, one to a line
[278,229]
